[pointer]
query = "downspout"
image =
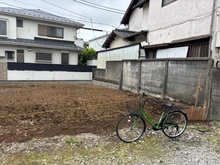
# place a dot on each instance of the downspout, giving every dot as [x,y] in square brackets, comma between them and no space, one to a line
[211,28]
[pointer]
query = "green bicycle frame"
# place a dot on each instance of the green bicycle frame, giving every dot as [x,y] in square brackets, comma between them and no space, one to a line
[153,123]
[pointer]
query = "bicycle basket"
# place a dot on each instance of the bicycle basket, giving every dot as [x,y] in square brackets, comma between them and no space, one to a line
[133,107]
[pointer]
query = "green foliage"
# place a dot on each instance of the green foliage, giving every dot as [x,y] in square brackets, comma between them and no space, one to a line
[87,54]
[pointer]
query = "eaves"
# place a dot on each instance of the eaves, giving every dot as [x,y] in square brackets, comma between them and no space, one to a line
[45,19]
[78,49]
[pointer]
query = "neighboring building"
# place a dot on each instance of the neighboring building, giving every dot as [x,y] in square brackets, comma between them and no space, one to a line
[169,28]
[97,43]
[37,45]
[36,36]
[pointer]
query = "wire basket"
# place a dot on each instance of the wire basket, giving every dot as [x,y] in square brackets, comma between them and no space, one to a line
[133,107]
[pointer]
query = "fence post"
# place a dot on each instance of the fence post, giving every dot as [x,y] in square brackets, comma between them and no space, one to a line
[165,79]
[139,76]
[208,88]
[121,78]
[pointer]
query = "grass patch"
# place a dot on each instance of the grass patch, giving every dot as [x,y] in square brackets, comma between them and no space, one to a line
[74,152]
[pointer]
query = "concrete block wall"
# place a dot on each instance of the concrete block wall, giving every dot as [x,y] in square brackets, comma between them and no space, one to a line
[176,78]
[131,75]
[183,79]
[114,71]
[111,74]
[152,76]
[214,112]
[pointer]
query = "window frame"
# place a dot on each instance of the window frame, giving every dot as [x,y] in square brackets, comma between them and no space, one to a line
[44,59]
[6,28]
[19,23]
[65,56]
[164,3]
[9,54]
[20,53]
[50,31]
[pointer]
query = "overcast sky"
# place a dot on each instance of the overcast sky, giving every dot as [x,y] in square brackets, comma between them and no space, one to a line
[103,20]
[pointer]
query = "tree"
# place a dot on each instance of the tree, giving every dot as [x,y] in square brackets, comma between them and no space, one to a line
[87,54]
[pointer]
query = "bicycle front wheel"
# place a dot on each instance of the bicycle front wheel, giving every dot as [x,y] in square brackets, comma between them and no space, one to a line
[174,124]
[130,128]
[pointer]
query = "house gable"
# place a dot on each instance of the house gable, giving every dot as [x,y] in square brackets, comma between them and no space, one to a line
[133,5]
[123,34]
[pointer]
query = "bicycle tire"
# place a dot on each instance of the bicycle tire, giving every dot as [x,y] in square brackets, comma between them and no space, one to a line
[130,128]
[174,123]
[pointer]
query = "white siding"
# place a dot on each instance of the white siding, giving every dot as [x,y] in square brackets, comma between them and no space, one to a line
[30,55]
[131,52]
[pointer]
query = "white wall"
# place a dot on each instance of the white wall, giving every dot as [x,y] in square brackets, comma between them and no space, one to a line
[139,18]
[178,20]
[11,26]
[135,22]
[47,75]
[30,30]
[30,56]
[216,29]
[119,42]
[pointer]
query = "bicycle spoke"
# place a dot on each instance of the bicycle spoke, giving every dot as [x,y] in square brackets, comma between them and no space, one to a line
[130,128]
[174,124]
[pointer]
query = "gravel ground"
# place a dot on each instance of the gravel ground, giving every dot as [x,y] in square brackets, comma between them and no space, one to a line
[199,145]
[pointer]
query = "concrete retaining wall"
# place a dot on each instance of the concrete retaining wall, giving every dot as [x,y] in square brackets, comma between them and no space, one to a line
[111,74]
[176,78]
[214,112]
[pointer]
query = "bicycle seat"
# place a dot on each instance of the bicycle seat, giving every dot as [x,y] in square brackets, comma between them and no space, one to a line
[167,105]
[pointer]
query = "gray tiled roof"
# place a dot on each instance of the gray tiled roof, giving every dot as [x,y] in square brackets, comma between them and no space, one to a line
[38,15]
[41,43]
[124,34]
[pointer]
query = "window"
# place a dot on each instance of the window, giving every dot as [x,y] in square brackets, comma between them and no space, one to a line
[198,50]
[166,2]
[44,57]
[3,28]
[151,53]
[9,55]
[19,23]
[20,55]
[65,59]
[50,31]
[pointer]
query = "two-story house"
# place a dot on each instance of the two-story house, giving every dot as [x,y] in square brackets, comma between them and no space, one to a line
[37,45]
[169,29]
[36,36]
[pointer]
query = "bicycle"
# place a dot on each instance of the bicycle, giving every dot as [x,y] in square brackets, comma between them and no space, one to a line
[132,126]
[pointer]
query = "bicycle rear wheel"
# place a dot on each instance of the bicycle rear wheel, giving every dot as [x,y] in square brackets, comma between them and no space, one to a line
[174,124]
[130,128]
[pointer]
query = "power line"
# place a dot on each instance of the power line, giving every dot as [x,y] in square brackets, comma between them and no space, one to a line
[66,9]
[80,19]
[103,6]
[74,13]
[116,12]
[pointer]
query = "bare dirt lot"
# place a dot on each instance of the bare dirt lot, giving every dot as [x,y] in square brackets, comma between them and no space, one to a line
[35,110]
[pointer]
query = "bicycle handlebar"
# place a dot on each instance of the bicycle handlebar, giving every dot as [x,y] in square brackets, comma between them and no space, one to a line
[148,98]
